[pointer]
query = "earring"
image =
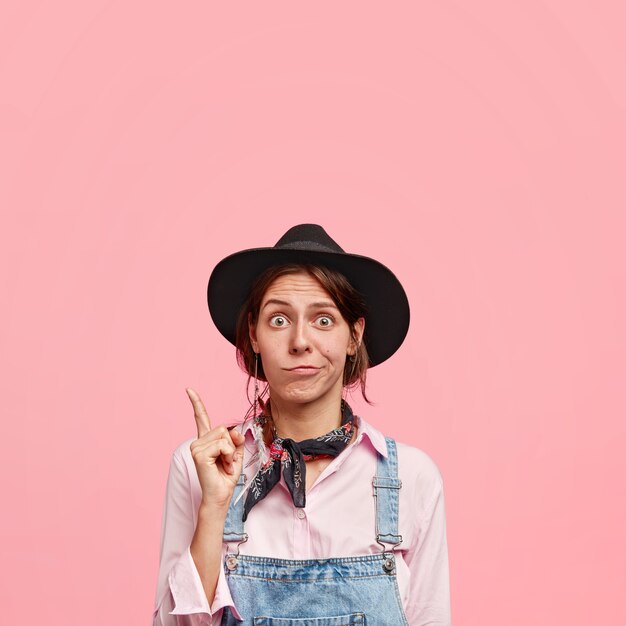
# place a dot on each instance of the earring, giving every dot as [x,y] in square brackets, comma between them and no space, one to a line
[256,382]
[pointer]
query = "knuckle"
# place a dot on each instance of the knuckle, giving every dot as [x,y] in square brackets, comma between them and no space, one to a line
[212,435]
[197,442]
[226,446]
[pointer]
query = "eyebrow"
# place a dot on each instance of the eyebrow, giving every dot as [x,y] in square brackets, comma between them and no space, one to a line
[316,305]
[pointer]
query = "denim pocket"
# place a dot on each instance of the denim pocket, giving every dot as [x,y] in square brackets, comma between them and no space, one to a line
[354,619]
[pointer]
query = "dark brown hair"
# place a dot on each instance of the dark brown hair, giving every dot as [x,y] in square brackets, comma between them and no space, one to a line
[347,299]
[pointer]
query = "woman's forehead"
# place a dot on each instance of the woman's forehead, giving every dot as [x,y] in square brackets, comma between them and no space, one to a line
[296,286]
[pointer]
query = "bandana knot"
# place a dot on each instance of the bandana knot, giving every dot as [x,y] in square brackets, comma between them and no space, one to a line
[289,456]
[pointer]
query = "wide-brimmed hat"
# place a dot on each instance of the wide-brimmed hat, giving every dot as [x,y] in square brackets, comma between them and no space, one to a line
[387,319]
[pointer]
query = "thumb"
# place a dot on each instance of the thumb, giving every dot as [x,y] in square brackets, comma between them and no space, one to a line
[239,440]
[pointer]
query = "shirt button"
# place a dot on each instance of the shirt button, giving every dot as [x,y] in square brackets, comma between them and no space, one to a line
[301,514]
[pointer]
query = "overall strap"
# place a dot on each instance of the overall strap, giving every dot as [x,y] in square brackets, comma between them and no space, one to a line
[233,526]
[387,495]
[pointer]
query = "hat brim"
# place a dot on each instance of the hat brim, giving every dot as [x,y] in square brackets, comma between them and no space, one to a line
[388,314]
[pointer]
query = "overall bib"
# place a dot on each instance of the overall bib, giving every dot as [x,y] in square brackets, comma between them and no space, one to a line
[343,591]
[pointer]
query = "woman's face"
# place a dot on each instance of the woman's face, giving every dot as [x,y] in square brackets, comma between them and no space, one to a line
[303,340]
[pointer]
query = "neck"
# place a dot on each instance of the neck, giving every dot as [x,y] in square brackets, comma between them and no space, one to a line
[305,421]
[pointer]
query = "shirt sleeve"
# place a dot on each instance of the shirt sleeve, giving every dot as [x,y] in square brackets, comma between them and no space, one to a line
[429,593]
[180,597]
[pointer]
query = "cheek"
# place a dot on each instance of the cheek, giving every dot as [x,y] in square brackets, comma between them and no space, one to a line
[271,352]
[336,350]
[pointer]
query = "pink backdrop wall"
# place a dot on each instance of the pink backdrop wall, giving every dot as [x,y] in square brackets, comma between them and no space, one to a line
[477,149]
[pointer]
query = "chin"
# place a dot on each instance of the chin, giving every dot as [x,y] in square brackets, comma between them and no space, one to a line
[301,398]
[306,396]
[301,392]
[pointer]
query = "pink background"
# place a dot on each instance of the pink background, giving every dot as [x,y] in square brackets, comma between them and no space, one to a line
[477,149]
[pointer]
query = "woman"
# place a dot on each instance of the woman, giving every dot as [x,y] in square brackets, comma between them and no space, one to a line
[305,514]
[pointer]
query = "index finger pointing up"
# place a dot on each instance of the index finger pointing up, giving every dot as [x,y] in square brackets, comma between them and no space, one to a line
[202,417]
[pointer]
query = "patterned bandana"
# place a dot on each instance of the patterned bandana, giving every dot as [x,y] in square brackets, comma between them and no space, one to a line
[290,456]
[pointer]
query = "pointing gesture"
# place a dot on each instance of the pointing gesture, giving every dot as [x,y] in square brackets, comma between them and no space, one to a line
[217,454]
[203,422]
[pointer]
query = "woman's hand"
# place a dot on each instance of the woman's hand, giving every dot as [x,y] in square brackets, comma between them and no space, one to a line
[218,456]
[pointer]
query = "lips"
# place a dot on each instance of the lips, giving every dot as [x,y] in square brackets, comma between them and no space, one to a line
[302,368]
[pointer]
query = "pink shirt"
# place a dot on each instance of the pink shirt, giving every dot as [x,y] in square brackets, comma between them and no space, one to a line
[338,520]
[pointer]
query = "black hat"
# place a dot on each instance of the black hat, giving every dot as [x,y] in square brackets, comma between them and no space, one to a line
[387,319]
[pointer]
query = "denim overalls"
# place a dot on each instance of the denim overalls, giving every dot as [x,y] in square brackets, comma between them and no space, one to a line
[341,591]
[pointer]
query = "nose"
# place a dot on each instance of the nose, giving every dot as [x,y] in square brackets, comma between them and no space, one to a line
[299,340]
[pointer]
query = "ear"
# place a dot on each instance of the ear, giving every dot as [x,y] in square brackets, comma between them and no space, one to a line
[252,333]
[358,330]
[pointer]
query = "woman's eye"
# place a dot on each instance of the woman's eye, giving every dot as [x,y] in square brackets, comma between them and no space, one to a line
[325,320]
[278,320]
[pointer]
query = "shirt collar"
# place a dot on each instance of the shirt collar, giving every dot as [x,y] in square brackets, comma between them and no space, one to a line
[375,436]
[377,439]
